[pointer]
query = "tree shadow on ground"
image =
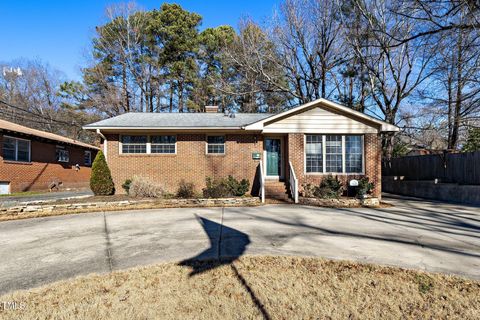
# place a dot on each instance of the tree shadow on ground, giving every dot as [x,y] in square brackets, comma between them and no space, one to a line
[212,257]
[445,223]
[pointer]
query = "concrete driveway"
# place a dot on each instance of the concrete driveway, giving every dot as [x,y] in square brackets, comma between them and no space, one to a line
[414,234]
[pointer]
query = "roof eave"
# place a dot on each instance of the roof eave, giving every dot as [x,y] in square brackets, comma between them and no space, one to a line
[383,126]
[159,128]
[389,128]
[52,139]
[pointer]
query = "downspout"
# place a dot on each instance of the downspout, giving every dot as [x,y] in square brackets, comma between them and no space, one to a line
[104,143]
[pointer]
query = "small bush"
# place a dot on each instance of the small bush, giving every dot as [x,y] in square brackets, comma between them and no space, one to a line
[224,188]
[364,187]
[330,187]
[237,188]
[126,185]
[216,189]
[144,188]
[186,190]
[309,190]
[101,182]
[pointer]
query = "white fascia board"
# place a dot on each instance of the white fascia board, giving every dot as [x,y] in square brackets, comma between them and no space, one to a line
[161,128]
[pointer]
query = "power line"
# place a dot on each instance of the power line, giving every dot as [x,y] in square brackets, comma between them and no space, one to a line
[21,117]
[38,115]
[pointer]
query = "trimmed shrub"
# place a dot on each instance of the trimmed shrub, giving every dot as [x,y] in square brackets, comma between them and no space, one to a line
[224,188]
[237,188]
[141,187]
[186,190]
[126,185]
[364,187]
[216,189]
[330,187]
[101,182]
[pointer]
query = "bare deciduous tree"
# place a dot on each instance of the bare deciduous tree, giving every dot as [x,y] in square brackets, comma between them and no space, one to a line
[394,72]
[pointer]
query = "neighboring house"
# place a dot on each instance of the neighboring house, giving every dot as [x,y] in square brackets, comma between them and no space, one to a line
[311,141]
[31,160]
[431,142]
[421,151]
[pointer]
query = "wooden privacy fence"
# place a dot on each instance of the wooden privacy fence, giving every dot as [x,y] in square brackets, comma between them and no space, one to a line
[461,168]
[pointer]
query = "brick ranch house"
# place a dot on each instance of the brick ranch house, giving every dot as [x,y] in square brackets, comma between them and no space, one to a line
[30,160]
[276,152]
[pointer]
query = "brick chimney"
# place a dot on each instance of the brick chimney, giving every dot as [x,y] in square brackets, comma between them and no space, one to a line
[211,109]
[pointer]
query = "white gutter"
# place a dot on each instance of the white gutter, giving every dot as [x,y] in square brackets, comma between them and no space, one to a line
[162,128]
[104,143]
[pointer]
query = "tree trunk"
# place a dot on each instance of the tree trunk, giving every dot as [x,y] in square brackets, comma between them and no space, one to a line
[387,141]
[387,145]
[151,94]
[458,97]
[126,99]
[170,102]
[324,85]
[180,96]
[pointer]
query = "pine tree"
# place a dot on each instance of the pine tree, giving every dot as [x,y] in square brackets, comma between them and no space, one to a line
[473,140]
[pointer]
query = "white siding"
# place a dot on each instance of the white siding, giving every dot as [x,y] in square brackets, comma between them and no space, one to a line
[318,120]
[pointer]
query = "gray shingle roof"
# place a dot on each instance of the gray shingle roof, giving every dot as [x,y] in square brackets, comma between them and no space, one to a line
[178,120]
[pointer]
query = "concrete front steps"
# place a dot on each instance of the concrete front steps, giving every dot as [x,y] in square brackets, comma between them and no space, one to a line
[277,192]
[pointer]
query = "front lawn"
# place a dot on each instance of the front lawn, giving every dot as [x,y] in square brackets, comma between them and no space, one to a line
[22,194]
[254,287]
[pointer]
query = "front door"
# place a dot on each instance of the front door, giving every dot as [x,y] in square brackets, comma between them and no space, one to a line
[273,149]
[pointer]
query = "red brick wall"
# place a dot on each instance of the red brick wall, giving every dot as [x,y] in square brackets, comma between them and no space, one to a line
[43,168]
[372,162]
[191,163]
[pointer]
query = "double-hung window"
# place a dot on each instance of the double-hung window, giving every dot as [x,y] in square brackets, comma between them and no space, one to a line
[162,144]
[134,144]
[215,144]
[353,154]
[314,153]
[62,154]
[15,149]
[334,153]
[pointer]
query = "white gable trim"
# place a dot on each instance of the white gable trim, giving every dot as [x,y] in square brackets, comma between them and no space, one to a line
[382,125]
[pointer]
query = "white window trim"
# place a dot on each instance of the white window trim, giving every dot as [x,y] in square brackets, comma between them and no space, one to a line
[64,149]
[363,156]
[16,149]
[224,144]
[120,144]
[149,144]
[324,156]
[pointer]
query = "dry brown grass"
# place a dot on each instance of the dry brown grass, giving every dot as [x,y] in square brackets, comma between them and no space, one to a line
[255,287]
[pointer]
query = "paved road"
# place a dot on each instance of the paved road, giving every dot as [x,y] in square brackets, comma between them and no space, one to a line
[10,201]
[415,234]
